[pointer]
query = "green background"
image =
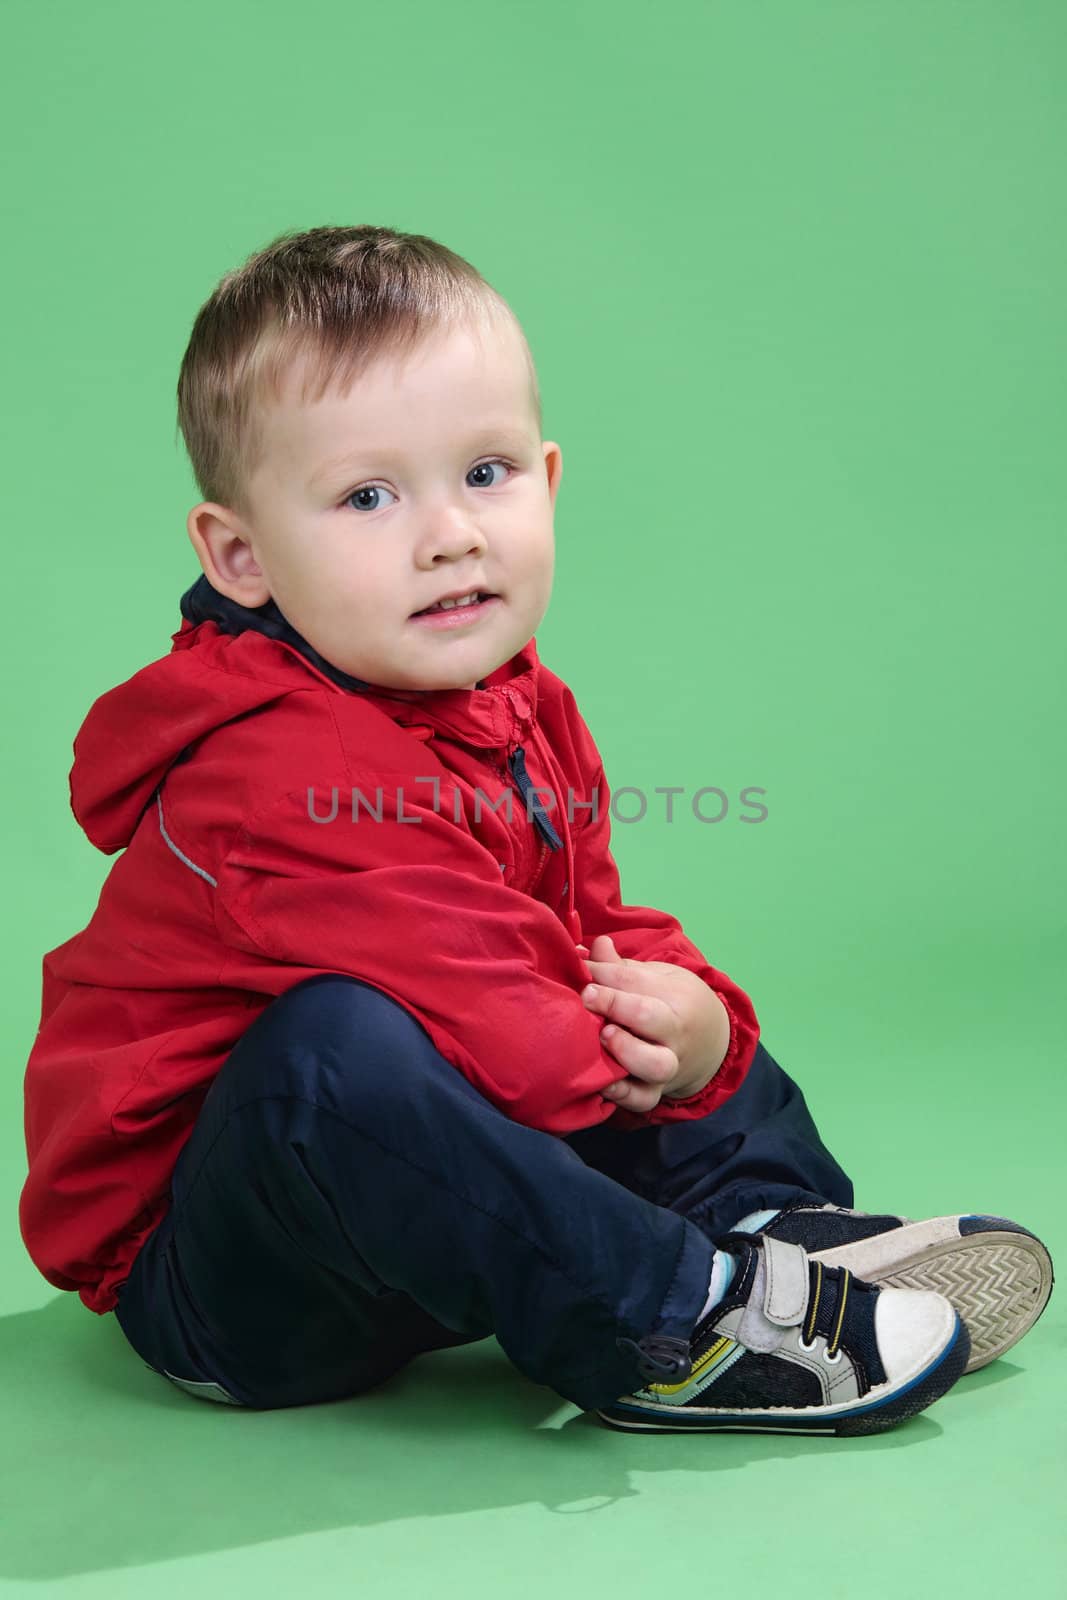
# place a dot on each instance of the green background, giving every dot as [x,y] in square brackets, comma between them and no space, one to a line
[793,277]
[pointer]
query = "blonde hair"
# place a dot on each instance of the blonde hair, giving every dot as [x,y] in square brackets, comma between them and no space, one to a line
[338,297]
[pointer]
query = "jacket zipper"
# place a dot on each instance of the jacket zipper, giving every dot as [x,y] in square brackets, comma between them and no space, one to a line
[503,772]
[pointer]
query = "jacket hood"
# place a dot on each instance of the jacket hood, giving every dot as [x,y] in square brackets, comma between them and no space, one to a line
[204,603]
[134,733]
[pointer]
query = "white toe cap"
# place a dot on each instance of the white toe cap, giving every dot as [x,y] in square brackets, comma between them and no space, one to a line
[912,1327]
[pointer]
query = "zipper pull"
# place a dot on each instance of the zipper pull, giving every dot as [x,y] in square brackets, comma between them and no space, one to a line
[517,765]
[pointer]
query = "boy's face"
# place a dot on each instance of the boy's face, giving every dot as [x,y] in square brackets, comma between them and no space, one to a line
[425,479]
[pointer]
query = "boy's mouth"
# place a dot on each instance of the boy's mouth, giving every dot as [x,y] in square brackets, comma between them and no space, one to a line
[456,609]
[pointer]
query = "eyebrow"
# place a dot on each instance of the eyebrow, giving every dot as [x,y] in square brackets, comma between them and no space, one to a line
[506,434]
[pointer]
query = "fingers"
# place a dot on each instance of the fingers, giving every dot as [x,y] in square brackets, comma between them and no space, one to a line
[636,1026]
[656,1064]
[642,977]
[635,1096]
[647,1016]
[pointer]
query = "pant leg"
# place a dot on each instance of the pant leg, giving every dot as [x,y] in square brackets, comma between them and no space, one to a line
[347,1199]
[758,1151]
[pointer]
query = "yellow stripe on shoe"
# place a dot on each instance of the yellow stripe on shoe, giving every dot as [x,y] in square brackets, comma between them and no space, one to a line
[831,1348]
[713,1357]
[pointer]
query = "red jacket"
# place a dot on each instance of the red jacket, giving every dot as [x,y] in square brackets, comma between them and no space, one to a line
[208,768]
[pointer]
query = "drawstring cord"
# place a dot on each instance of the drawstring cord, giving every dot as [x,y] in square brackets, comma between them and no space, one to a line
[517,768]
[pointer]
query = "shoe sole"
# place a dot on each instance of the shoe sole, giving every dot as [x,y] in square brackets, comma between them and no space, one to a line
[999,1279]
[854,1417]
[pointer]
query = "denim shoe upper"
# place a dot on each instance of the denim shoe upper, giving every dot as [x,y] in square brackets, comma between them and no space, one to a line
[789,1332]
[835,1316]
[826,1227]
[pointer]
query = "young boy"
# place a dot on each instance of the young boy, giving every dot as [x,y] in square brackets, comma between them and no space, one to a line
[321,1085]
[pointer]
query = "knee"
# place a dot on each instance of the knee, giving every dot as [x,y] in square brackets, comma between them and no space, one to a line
[337,1031]
[328,1000]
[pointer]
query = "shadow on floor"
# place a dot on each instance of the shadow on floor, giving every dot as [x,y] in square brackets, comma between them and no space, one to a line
[109,1465]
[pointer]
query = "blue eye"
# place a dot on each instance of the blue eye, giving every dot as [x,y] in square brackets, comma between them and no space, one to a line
[369,488]
[377,489]
[481,467]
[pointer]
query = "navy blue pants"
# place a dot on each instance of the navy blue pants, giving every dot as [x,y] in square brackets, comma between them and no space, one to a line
[347,1200]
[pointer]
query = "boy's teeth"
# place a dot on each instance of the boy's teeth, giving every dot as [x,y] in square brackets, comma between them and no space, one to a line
[448,605]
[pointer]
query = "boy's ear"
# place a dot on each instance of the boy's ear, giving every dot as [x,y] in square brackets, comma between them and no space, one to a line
[222,545]
[553,466]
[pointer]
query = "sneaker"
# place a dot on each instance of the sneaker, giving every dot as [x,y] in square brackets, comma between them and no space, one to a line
[996,1274]
[796,1347]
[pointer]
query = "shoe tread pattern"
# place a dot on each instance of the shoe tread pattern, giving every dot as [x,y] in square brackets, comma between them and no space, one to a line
[998,1287]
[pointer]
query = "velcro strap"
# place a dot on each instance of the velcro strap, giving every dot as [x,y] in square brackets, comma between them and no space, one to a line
[785,1293]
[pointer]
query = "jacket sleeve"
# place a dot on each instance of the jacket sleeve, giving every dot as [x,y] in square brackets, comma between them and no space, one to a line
[414,905]
[644,934]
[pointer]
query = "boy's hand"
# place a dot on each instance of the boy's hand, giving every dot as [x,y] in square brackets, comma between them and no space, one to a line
[665,1026]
